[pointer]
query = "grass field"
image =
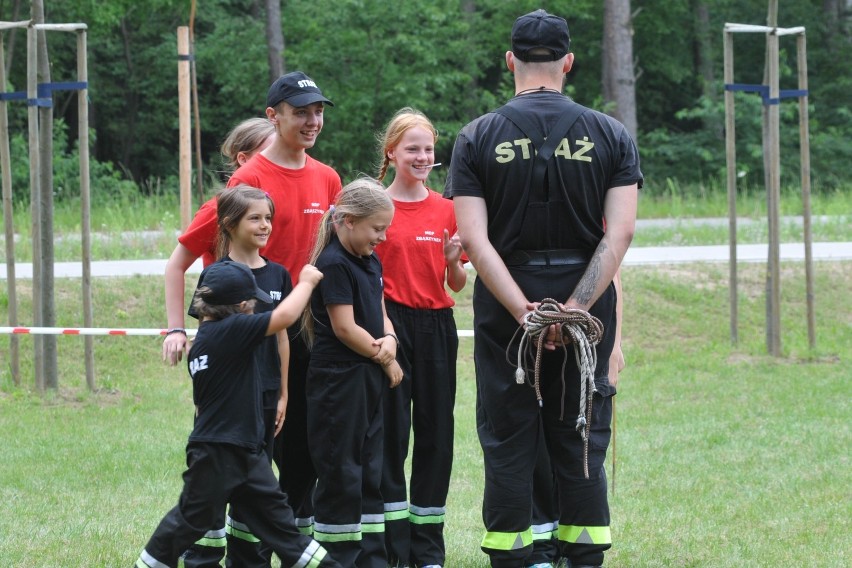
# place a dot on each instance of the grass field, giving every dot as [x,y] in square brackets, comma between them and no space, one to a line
[725,457]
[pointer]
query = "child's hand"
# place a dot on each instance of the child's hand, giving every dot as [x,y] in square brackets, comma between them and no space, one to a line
[452,247]
[387,350]
[310,275]
[280,413]
[394,373]
[175,346]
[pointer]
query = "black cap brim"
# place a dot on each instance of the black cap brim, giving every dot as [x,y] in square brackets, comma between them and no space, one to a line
[262,296]
[305,99]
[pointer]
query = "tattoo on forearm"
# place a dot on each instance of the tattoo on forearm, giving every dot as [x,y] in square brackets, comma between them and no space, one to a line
[585,290]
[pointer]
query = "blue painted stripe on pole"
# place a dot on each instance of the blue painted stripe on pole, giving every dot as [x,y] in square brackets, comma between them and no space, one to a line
[45,89]
[44,92]
[16,96]
[763,90]
[46,103]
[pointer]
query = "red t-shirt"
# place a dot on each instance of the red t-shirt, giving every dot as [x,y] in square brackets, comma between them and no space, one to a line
[413,263]
[300,197]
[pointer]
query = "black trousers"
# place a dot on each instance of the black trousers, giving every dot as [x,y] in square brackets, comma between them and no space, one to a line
[414,533]
[296,471]
[244,550]
[346,439]
[217,474]
[512,428]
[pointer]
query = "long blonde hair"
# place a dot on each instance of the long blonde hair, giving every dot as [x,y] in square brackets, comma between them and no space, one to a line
[357,200]
[404,119]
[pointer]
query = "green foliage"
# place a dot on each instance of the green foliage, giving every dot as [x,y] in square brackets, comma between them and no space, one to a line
[105,182]
[444,57]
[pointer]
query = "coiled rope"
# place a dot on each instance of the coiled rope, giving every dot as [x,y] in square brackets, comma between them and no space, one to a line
[575,326]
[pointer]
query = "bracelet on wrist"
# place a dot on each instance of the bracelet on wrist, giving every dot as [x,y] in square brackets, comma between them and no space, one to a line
[395,338]
[175,330]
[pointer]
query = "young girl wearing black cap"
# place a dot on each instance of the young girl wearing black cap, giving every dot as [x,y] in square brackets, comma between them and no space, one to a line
[224,454]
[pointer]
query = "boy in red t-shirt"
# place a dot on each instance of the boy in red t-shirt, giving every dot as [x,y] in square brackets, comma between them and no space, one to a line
[301,188]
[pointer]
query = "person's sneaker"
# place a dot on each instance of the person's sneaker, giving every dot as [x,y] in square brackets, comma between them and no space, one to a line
[431,566]
[541,565]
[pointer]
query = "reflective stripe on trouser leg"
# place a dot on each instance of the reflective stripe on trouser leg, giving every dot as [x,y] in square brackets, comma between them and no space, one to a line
[507,541]
[585,535]
[244,549]
[208,551]
[355,543]
[240,530]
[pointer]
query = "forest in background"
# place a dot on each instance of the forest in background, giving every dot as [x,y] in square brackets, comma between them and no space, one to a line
[444,57]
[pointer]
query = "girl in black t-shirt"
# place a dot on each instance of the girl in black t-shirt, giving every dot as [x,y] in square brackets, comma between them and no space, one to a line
[353,349]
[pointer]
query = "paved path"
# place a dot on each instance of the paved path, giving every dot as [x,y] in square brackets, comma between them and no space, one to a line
[635,256]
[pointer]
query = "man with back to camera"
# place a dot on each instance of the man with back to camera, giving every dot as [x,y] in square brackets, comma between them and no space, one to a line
[533,234]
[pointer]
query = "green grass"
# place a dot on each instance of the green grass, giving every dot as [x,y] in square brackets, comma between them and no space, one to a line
[725,457]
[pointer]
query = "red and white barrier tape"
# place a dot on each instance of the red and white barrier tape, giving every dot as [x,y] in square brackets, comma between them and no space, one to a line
[21,330]
[83,331]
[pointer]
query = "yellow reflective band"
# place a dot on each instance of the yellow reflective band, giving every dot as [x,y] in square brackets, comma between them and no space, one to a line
[240,534]
[507,541]
[396,515]
[585,535]
[317,558]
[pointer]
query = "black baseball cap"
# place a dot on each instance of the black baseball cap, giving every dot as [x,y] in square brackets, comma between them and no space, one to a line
[540,30]
[230,283]
[296,89]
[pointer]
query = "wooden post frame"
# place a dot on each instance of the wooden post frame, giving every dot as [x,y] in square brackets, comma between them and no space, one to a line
[38,96]
[772,96]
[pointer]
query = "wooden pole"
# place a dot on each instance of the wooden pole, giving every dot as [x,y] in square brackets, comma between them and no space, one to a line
[185,166]
[8,225]
[85,203]
[805,153]
[35,197]
[773,190]
[196,111]
[731,161]
[45,128]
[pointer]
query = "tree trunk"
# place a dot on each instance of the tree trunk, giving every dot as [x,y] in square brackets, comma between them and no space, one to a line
[704,63]
[274,39]
[469,105]
[132,98]
[10,49]
[619,80]
[45,127]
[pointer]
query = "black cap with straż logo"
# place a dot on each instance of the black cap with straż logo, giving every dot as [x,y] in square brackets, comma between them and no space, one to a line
[296,89]
[539,31]
[230,283]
